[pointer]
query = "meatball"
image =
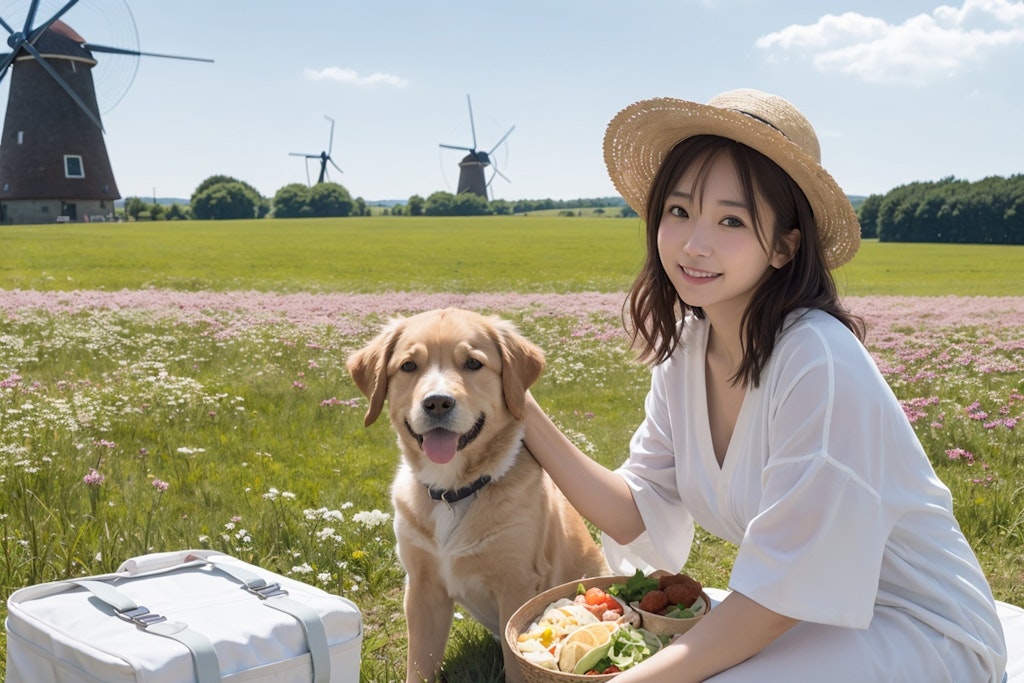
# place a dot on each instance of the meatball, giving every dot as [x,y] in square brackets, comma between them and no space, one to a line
[654,601]
[666,580]
[684,594]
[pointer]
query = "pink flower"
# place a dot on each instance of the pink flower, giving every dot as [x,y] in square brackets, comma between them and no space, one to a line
[94,478]
[160,485]
[960,454]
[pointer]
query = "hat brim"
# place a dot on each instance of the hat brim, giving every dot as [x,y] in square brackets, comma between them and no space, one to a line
[641,135]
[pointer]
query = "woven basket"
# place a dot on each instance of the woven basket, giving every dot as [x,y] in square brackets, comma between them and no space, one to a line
[661,625]
[532,610]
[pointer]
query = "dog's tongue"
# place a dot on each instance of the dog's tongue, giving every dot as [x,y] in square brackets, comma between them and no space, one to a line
[440,445]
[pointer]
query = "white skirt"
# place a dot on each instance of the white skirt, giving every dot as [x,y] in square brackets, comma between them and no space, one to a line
[894,649]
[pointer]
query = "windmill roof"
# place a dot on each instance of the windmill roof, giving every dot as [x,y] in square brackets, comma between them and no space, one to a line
[60,40]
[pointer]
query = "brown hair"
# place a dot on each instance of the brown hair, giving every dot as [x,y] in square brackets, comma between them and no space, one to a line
[653,306]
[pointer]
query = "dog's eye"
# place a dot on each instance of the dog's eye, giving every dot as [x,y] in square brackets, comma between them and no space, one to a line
[473,364]
[408,366]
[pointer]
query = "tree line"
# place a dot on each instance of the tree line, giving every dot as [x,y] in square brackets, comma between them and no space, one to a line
[988,211]
[222,197]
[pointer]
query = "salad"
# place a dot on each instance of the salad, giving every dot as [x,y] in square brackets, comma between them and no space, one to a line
[592,634]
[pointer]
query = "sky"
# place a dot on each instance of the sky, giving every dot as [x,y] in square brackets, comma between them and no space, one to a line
[898,92]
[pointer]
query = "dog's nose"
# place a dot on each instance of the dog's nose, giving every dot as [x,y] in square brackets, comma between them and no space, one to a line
[437,405]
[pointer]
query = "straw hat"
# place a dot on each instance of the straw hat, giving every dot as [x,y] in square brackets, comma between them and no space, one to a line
[640,136]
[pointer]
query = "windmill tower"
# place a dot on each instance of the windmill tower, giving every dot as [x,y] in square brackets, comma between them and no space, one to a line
[324,157]
[53,160]
[472,177]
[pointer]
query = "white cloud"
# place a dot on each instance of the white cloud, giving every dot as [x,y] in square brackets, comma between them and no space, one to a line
[922,49]
[352,77]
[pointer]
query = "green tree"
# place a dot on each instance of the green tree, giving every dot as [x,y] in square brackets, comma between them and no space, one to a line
[361,208]
[225,201]
[868,216]
[416,205]
[439,204]
[176,212]
[289,200]
[261,206]
[330,199]
[470,204]
[133,206]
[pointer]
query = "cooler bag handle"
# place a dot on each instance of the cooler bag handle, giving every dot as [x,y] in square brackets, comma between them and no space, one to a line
[204,657]
[276,597]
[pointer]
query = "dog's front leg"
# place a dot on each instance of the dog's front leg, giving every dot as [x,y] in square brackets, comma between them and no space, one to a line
[515,594]
[428,613]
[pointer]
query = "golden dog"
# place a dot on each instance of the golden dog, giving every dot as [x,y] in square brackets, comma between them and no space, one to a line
[477,521]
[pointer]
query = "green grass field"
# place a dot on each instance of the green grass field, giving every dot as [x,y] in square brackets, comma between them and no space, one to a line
[235,426]
[497,253]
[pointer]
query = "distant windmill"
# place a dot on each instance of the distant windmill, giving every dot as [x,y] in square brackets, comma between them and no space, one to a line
[471,169]
[324,157]
[53,161]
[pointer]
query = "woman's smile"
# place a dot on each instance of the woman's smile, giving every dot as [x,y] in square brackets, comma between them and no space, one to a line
[698,276]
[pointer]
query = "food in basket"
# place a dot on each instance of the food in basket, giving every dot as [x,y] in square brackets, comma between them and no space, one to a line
[676,596]
[627,647]
[594,633]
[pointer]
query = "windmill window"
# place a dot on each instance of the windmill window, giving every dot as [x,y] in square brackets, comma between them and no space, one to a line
[21,137]
[73,166]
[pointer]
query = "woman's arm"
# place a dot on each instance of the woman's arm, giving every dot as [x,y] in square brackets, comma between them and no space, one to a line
[599,494]
[731,633]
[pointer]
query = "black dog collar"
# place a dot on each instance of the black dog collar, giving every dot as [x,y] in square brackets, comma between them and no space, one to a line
[454,495]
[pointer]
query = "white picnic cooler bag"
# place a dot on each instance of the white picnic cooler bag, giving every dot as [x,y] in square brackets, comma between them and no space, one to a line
[191,616]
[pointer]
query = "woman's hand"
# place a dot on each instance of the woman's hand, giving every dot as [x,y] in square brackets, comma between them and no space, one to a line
[731,633]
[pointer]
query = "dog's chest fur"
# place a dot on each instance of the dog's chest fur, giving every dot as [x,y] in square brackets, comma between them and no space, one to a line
[454,536]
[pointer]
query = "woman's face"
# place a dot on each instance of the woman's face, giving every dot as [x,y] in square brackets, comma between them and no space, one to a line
[708,243]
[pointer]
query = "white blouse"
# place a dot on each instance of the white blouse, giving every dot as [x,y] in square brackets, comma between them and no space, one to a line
[825,489]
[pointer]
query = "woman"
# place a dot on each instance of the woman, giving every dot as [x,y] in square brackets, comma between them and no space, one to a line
[768,423]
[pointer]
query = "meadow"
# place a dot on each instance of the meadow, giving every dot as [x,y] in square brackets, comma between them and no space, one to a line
[432,254]
[167,385]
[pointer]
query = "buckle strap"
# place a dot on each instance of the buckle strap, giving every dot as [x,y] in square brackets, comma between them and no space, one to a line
[277,598]
[204,658]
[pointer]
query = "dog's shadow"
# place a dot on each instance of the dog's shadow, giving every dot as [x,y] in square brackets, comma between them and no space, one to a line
[473,655]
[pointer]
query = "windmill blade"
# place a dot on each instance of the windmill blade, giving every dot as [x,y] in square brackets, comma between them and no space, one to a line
[6,26]
[92,47]
[465,149]
[472,126]
[497,172]
[503,137]
[330,140]
[4,63]
[38,30]
[334,165]
[30,17]
[26,36]
[303,154]
[62,83]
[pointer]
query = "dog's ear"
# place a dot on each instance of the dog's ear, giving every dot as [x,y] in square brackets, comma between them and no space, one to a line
[369,368]
[522,362]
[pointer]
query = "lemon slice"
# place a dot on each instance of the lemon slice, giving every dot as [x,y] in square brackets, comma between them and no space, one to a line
[583,640]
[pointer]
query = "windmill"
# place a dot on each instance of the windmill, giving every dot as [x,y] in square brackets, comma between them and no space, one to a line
[53,160]
[324,157]
[471,169]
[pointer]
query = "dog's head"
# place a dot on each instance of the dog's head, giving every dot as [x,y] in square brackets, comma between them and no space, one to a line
[448,376]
